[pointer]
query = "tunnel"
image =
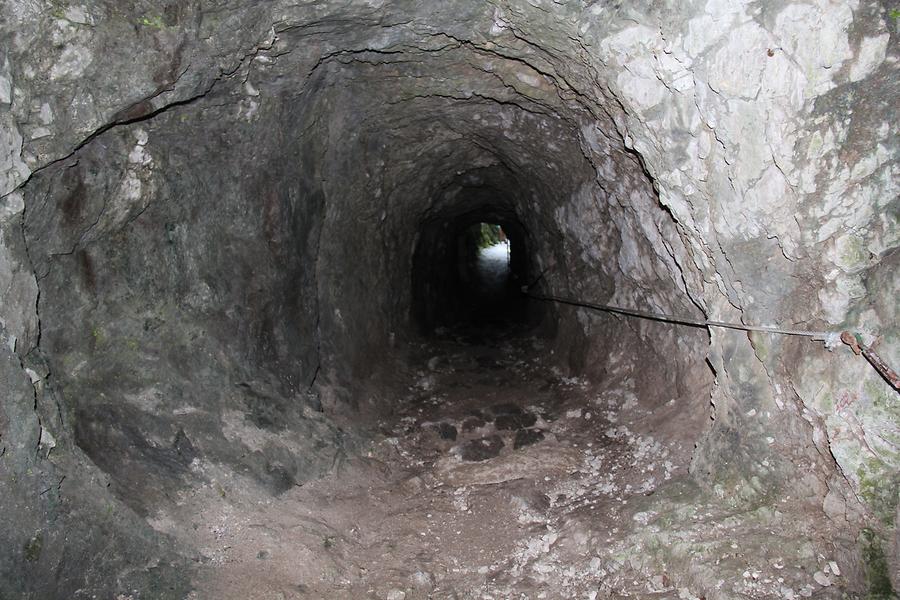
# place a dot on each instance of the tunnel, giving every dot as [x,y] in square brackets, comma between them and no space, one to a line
[395,299]
[453,285]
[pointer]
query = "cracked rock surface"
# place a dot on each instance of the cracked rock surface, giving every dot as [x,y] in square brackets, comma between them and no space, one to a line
[231,255]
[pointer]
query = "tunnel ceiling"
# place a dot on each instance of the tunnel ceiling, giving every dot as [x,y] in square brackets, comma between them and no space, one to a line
[211,212]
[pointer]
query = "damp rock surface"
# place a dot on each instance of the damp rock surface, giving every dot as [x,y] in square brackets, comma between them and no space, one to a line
[481,448]
[526,437]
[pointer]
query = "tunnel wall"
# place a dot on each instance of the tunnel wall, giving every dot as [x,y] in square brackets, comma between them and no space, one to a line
[758,137]
[192,316]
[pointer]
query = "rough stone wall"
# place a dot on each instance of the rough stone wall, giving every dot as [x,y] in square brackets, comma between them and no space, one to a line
[741,162]
[191,316]
[772,142]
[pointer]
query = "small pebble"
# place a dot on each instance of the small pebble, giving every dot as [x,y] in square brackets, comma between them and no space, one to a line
[423,579]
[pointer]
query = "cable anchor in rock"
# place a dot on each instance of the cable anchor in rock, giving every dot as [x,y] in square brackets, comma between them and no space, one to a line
[856,344]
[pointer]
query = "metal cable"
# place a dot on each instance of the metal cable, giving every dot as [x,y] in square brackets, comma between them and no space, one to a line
[819,335]
[832,339]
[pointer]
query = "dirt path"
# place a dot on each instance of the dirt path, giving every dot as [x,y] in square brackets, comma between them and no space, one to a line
[493,479]
[496,478]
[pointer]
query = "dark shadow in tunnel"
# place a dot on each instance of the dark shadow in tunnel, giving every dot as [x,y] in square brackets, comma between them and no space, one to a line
[487,284]
[469,287]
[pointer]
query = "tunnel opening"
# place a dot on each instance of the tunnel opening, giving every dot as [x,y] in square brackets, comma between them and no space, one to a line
[484,259]
[468,273]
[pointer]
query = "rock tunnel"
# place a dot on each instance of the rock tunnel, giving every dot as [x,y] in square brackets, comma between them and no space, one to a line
[243,358]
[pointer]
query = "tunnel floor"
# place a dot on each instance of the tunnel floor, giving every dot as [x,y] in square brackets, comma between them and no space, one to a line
[495,477]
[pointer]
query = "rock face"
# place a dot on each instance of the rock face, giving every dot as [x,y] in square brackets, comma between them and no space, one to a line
[215,220]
